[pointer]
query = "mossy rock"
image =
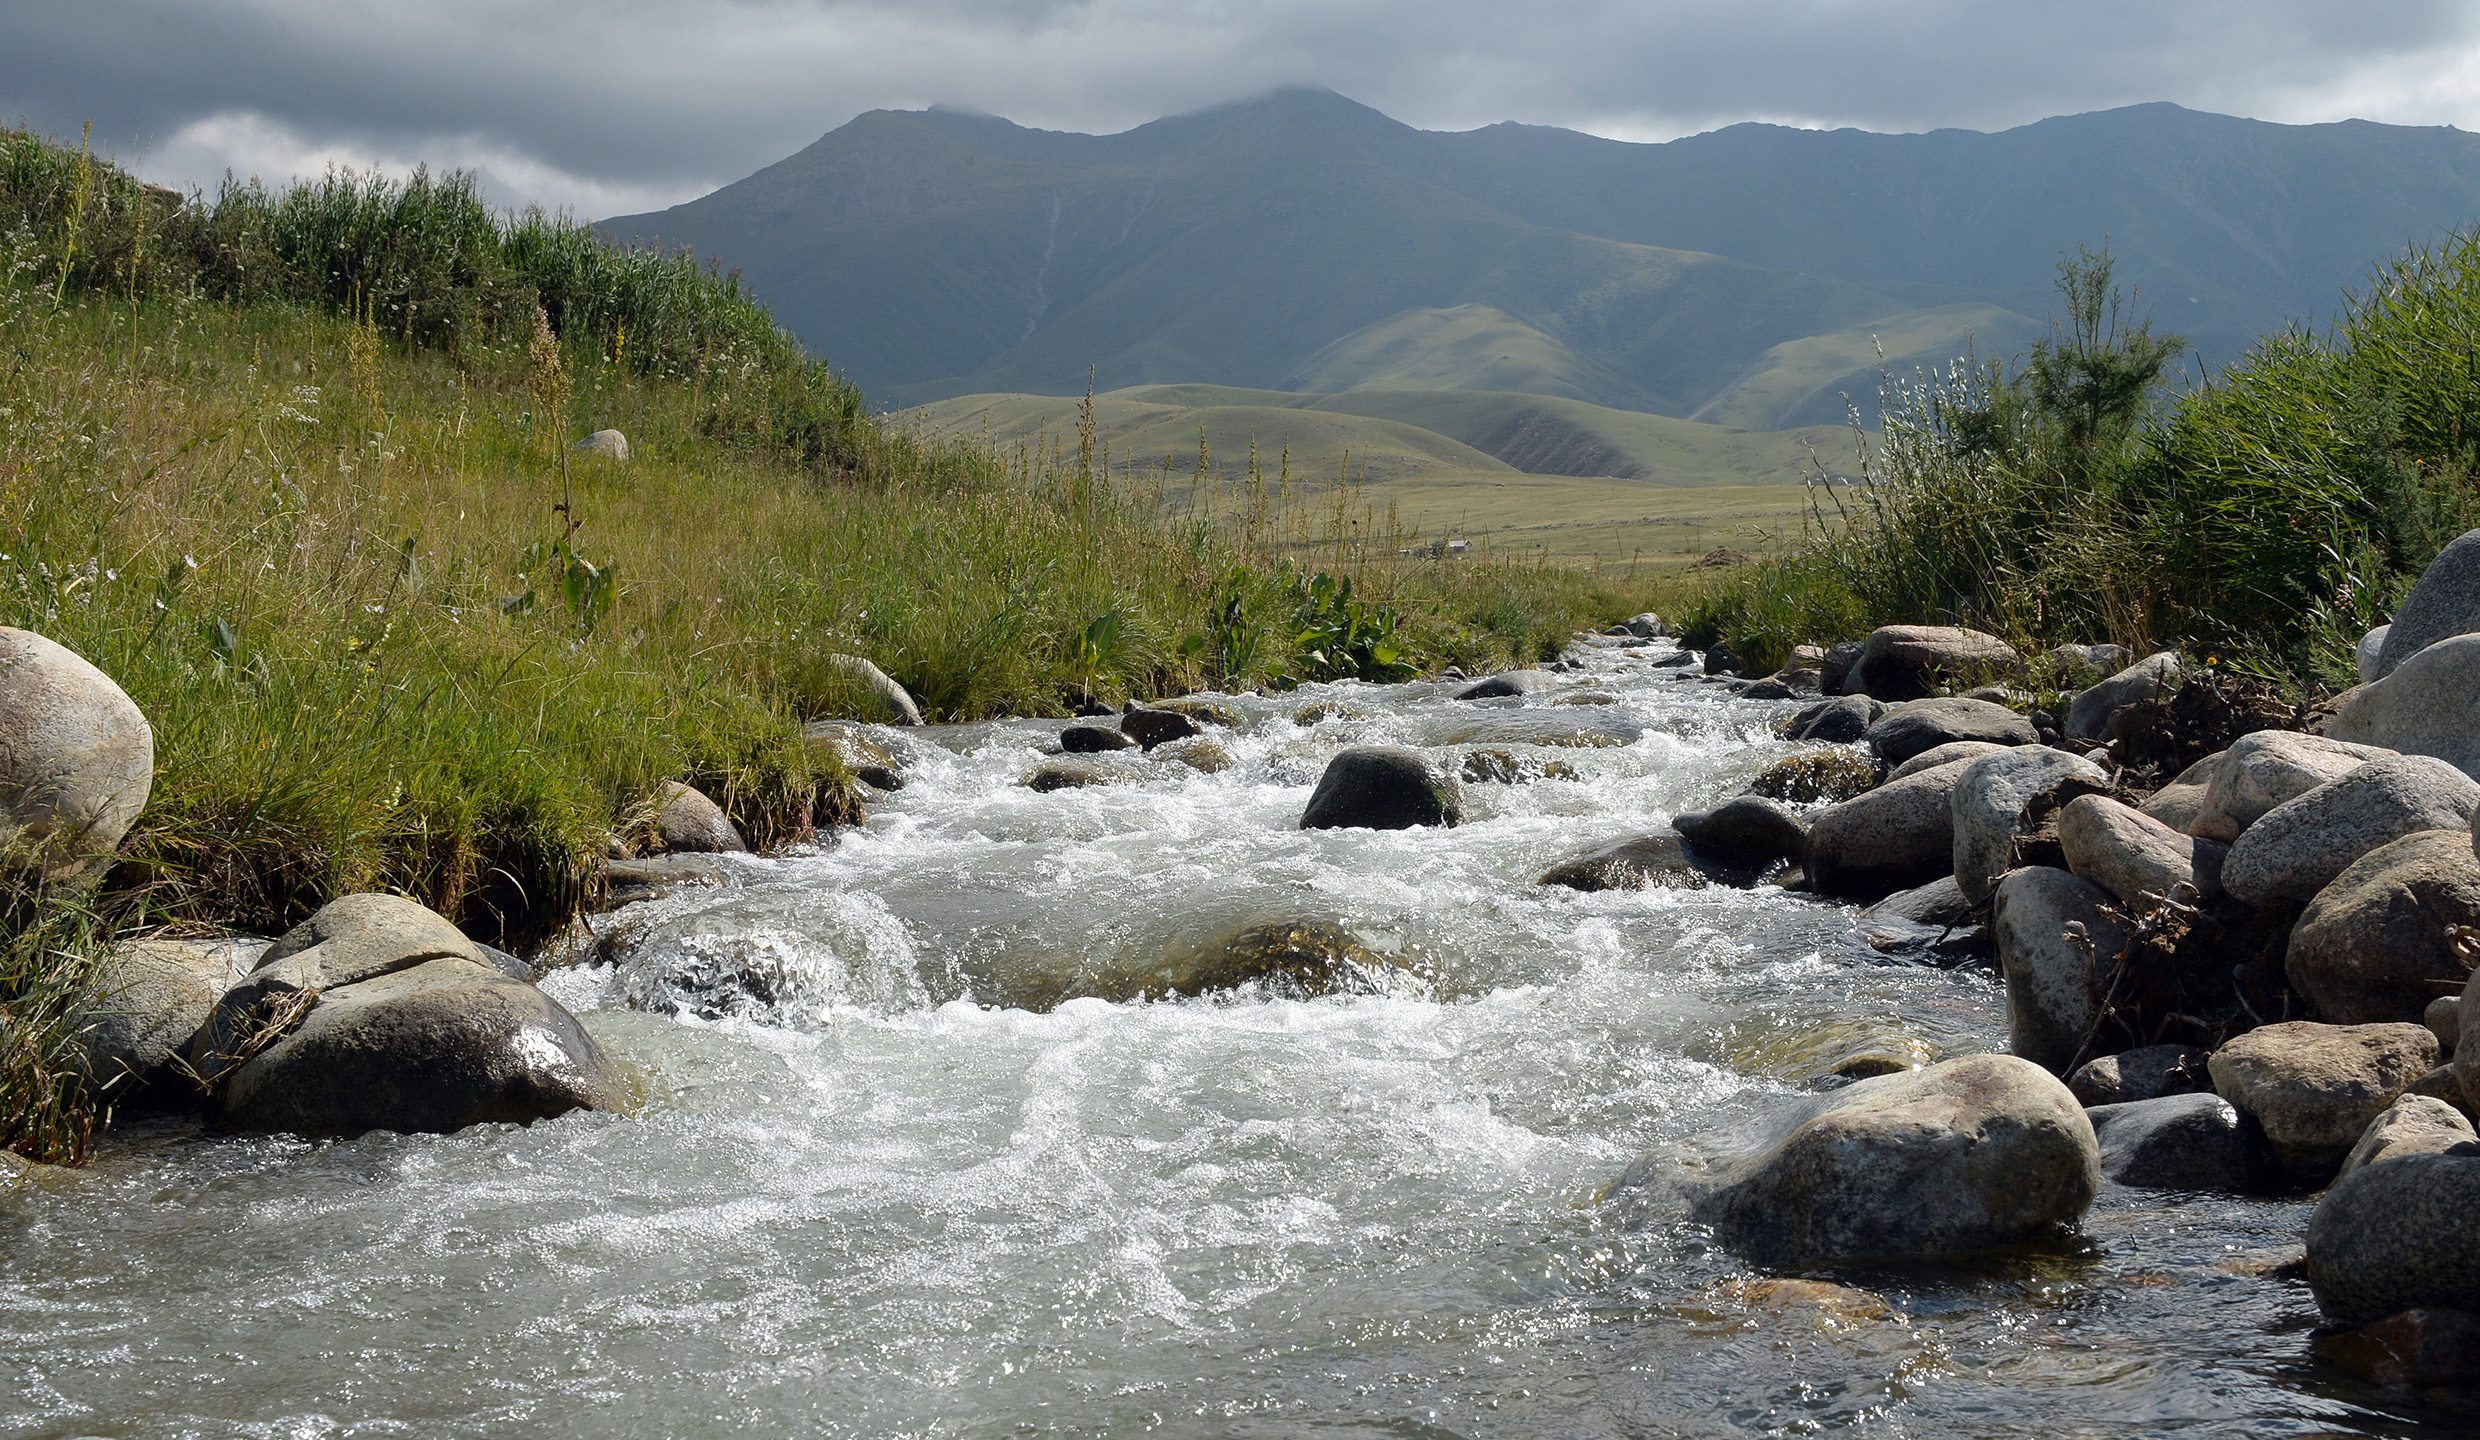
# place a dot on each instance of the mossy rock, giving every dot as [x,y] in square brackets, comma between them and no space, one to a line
[1325,710]
[1200,753]
[1506,767]
[1807,777]
[1206,712]
[1295,959]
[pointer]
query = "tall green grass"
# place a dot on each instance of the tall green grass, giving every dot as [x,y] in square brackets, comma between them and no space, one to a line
[2273,512]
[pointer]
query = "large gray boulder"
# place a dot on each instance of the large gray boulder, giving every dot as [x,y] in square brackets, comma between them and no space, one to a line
[890,702]
[2372,946]
[377,1014]
[1894,837]
[2178,803]
[2051,930]
[1988,807]
[2271,768]
[2314,1088]
[145,1005]
[2445,603]
[2134,856]
[688,822]
[76,759]
[1382,787]
[2088,715]
[2396,1236]
[1960,1158]
[2412,1125]
[2178,1142]
[1906,662]
[2301,845]
[1917,726]
[2429,704]
[2371,646]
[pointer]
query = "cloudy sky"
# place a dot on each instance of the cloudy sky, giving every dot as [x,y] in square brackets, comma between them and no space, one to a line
[626,105]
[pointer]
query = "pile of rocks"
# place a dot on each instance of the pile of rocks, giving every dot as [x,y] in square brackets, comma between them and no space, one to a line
[2253,977]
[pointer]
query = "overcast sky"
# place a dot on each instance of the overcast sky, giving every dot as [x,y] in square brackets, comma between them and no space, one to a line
[627,105]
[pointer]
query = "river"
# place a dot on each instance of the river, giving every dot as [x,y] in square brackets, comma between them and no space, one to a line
[863,1196]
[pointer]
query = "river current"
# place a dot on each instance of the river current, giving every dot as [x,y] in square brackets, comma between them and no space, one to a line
[869,1193]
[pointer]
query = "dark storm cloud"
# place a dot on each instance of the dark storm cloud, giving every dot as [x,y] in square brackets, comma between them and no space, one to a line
[630,103]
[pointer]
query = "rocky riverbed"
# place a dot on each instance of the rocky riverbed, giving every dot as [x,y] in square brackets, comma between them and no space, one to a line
[1127,1103]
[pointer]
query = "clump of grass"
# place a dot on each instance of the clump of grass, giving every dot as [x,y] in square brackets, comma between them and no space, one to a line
[49,945]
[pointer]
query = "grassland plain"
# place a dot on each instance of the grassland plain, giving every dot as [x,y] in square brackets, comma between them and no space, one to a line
[1522,474]
[393,632]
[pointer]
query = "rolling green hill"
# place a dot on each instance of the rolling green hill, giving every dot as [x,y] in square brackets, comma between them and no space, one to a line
[1303,242]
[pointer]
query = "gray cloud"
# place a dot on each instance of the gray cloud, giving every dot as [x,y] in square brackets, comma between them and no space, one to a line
[630,104]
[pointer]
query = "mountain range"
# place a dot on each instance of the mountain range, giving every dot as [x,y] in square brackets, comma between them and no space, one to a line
[1750,277]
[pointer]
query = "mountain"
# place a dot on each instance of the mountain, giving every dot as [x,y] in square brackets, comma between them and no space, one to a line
[1748,277]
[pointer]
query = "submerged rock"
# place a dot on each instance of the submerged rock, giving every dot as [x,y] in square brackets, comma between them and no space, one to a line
[76,758]
[1630,864]
[1093,740]
[1508,683]
[1382,787]
[1812,776]
[2424,1346]
[1293,959]
[1964,1157]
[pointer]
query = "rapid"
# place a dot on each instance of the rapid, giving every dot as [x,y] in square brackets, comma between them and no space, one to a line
[899,1169]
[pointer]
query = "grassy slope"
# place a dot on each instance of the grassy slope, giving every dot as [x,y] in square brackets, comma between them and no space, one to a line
[1807,381]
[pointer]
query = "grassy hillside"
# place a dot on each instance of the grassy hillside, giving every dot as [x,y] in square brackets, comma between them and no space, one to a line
[1524,473]
[1303,241]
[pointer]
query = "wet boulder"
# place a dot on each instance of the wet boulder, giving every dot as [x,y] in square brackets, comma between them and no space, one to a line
[1897,836]
[1931,923]
[1081,772]
[1747,831]
[2429,704]
[688,822]
[2267,769]
[2427,1345]
[377,1014]
[1836,722]
[2050,929]
[1093,740]
[2149,1073]
[2178,1142]
[1291,959]
[1630,864]
[1916,726]
[2302,845]
[2088,715]
[2396,1236]
[1827,775]
[2444,604]
[2373,945]
[1964,1157]
[1382,787]
[76,758]
[1906,662]
[2314,1088]
[2412,1125]
[1201,710]
[1150,728]
[1988,802]
[1507,684]
[889,702]
[2134,856]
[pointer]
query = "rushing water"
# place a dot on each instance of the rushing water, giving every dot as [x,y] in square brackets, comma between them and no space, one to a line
[862,1199]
